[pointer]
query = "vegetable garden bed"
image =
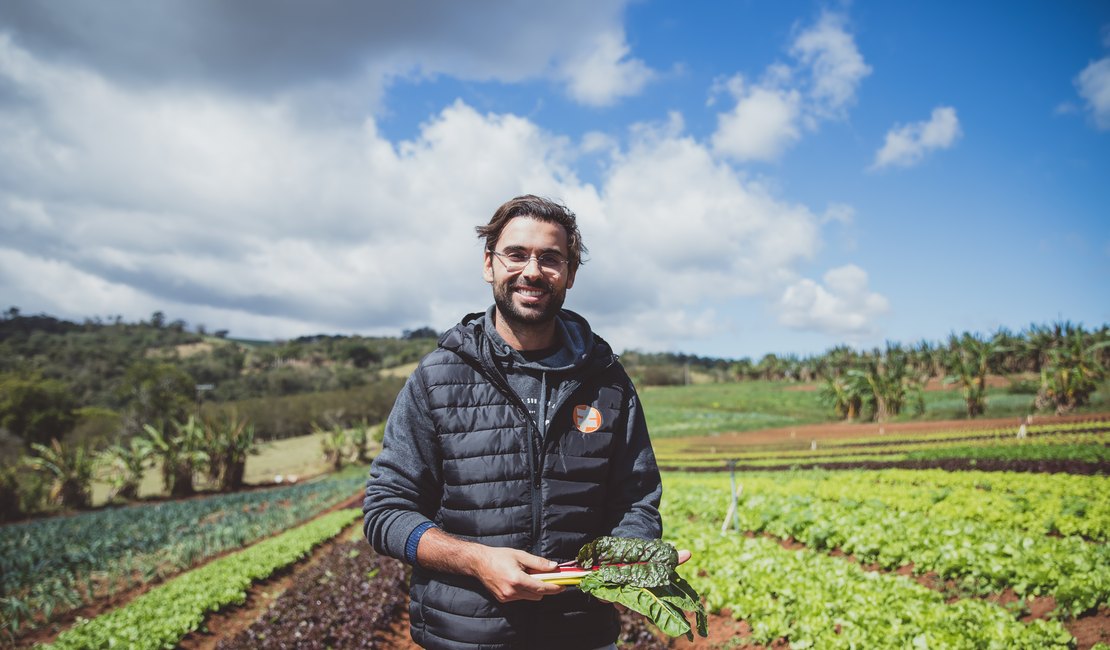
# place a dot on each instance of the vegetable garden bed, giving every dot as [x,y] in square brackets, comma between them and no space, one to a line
[877,559]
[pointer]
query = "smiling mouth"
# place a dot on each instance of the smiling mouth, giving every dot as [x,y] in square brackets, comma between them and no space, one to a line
[531,293]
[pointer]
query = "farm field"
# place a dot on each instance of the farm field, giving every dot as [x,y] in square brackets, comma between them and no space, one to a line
[883,557]
[1076,445]
[739,407]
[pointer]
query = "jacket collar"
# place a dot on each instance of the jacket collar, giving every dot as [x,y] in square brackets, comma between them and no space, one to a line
[475,339]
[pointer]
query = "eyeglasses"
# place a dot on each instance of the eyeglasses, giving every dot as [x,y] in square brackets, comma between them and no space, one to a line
[516,261]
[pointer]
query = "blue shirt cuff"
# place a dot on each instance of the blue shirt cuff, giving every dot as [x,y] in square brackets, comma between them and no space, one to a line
[414,541]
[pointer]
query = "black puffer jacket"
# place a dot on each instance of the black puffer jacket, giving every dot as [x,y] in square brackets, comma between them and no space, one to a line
[465,454]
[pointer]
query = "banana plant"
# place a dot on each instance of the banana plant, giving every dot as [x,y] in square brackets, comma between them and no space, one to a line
[122,466]
[181,453]
[333,444]
[240,438]
[70,468]
[1072,373]
[842,394]
[227,444]
[970,358]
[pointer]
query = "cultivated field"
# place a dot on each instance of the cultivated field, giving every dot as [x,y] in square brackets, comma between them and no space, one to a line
[941,534]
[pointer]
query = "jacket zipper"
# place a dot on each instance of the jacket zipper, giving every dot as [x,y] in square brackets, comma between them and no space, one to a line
[534,461]
[536,451]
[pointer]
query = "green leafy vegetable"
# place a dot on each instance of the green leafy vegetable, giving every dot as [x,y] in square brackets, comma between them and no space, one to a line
[640,574]
[625,550]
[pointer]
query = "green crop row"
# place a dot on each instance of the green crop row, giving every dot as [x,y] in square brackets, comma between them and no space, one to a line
[982,556]
[1030,503]
[163,616]
[702,452]
[1088,449]
[1087,453]
[52,565]
[1089,487]
[813,600]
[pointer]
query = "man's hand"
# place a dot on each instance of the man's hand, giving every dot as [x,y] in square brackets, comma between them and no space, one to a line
[503,571]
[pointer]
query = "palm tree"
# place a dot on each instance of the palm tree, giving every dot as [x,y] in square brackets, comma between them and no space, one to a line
[1010,358]
[181,453]
[839,359]
[360,440]
[333,444]
[124,466]
[227,446]
[970,359]
[1035,344]
[769,367]
[880,380]
[843,394]
[70,469]
[1072,373]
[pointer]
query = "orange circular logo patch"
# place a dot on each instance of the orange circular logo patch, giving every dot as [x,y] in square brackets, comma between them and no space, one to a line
[587,419]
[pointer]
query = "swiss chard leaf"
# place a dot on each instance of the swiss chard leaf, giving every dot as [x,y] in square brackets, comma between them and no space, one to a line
[659,609]
[623,550]
[636,575]
[640,574]
[683,596]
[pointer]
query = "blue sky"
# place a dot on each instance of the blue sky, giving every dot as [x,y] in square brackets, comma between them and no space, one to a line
[750,177]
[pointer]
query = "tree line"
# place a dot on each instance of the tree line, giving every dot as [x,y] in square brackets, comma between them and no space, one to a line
[110,399]
[1060,365]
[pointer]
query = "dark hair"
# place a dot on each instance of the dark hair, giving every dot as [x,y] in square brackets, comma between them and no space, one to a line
[542,210]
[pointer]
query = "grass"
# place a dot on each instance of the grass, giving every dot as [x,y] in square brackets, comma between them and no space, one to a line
[702,409]
[299,456]
[402,371]
[675,411]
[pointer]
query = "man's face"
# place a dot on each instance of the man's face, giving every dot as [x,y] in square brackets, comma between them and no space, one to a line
[532,295]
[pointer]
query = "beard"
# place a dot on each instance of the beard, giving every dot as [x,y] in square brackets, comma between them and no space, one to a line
[528,315]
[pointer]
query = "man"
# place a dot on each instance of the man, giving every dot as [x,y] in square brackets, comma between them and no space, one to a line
[517,441]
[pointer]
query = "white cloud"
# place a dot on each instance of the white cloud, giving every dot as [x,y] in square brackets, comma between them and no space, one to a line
[674,229]
[1094,87]
[228,210]
[598,142]
[232,204]
[603,72]
[907,145]
[834,63]
[763,124]
[839,212]
[771,114]
[844,305]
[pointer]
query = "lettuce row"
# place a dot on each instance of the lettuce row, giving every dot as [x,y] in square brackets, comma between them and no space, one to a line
[163,616]
[813,600]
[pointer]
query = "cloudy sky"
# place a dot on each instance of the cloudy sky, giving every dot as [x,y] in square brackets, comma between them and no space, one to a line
[750,177]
